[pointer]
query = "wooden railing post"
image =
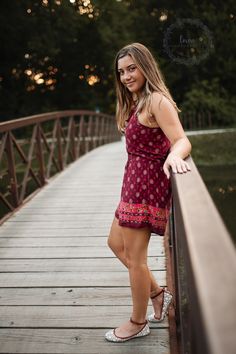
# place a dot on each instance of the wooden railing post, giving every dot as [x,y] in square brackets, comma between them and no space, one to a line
[29,162]
[102,131]
[72,138]
[80,137]
[174,257]
[12,170]
[96,132]
[106,132]
[59,145]
[40,155]
[88,135]
[69,141]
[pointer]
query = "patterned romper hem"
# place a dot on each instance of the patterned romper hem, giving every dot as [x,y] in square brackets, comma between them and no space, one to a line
[142,215]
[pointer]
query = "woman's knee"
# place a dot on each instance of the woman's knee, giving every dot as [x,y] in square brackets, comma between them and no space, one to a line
[134,262]
[136,247]
[115,240]
[113,244]
[135,257]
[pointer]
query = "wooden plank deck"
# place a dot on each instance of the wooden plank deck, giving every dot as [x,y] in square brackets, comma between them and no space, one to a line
[61,288]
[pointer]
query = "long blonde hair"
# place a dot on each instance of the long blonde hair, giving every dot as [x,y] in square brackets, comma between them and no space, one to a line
[146,63]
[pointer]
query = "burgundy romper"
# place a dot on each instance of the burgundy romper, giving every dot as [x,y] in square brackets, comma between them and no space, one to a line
[146,191]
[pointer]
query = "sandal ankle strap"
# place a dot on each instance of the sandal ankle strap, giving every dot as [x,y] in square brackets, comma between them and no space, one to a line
[162,290]
[137,323]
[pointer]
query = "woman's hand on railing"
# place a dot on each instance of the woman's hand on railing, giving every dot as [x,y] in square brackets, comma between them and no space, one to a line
[177,165]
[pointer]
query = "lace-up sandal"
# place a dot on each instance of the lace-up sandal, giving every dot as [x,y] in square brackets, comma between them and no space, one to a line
[166,301]
[144,331]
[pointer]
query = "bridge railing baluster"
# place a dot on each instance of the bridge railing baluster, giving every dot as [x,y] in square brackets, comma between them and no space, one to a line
[33,149]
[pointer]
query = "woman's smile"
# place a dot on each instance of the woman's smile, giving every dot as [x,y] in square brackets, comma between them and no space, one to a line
[130,83]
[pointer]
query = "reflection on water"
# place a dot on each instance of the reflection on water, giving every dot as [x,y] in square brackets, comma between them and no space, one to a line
[221,183]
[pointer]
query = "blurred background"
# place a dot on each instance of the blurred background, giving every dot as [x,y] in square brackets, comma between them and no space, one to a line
[59,55]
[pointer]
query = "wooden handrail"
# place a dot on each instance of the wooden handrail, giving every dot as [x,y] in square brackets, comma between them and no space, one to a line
[204,268]
[40,118]
[33,149]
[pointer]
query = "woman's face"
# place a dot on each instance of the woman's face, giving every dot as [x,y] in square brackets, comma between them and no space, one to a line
[130,75]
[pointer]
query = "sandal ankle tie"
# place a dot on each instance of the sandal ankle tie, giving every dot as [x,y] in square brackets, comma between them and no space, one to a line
[153,297]
[137,323]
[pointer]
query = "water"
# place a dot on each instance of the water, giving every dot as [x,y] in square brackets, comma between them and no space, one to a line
[221,184]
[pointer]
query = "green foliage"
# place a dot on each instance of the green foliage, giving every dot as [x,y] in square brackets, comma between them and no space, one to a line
[205,96]
[67,44]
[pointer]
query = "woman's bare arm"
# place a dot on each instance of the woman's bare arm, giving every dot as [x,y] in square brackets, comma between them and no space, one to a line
[168,120]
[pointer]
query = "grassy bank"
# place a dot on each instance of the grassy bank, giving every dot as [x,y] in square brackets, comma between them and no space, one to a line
[214,149]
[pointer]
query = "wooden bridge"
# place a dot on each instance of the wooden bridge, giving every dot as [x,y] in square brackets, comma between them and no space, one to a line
[61,288]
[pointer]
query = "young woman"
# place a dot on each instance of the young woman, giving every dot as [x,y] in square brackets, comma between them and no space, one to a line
[155,142]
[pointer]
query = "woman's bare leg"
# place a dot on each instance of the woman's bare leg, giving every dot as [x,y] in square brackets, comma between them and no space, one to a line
[135,248]
[116,243]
